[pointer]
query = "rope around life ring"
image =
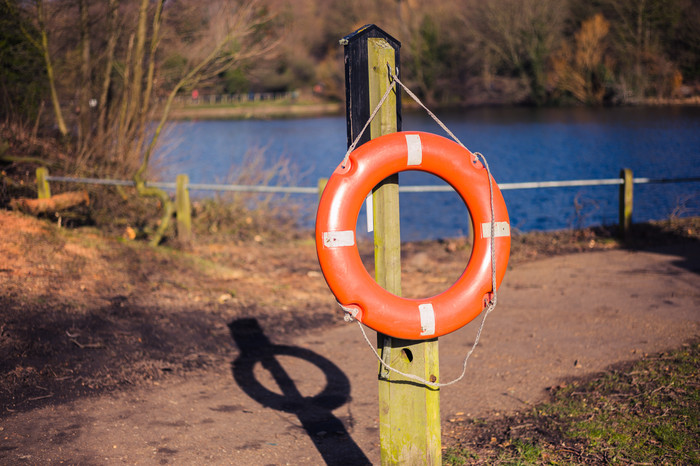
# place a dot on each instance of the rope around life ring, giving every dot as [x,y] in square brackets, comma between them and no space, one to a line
[356,291]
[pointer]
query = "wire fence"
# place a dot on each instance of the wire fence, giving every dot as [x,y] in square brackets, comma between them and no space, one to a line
[192,186]
[182,188]
[406,189]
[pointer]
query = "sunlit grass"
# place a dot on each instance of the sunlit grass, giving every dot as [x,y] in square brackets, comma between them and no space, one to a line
[640,413]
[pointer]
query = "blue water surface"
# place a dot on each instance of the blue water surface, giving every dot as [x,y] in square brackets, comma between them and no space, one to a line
[521,144]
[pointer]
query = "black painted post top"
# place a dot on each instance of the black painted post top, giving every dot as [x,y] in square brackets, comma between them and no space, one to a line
[357,109]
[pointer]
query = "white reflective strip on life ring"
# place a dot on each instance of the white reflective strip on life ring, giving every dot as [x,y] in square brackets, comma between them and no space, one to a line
[369,208]
[427,319]
[336,239]
[499,229]
[415,149]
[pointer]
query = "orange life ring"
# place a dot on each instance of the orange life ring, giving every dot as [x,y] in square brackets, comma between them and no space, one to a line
[356,291]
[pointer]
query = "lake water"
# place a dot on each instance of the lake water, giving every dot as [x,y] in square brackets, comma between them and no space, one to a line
[521,144]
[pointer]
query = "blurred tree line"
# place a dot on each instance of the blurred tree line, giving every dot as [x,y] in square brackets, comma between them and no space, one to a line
[79,55]
[476,52]
[541,52]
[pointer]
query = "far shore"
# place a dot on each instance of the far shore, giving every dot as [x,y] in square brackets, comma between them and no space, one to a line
[318,109]
[229,112]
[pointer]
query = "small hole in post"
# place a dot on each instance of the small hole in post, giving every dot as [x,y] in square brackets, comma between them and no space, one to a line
[407,354]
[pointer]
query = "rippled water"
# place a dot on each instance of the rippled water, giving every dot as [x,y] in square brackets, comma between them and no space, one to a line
[521,144]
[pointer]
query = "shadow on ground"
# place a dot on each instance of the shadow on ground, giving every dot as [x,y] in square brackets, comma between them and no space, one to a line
[327,432]
[53,354]
[679,240]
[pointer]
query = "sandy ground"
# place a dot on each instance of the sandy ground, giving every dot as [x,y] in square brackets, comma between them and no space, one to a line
[270,397]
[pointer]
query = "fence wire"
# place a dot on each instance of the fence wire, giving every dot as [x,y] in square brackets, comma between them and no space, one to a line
[405,189]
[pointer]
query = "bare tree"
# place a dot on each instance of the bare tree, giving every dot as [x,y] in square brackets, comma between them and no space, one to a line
[127,76]
[84,90]
[106,82]
[36,10]
[231,27]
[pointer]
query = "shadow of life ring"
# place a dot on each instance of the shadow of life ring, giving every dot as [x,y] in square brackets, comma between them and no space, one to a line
[356,291]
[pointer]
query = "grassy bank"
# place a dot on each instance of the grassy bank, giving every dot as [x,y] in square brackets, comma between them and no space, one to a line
[286,108]
[643,412]
[267,110]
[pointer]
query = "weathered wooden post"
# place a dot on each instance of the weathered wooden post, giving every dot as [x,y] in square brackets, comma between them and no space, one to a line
[183,209]
[409,412]
[43,189]
[626,198]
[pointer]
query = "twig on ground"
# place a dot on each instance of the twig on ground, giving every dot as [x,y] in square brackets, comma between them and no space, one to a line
[35,398]
[86,345]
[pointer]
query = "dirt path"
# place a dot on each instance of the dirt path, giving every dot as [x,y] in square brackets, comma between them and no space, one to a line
[558,317]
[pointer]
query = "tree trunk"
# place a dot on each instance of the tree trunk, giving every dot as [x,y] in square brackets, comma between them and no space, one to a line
[146,102]
[134,109]
[85,81]
[155,41]
[109,63]
[122,123]
[58,113]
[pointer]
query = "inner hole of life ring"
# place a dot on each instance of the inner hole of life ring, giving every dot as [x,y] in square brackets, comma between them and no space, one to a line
[436,237]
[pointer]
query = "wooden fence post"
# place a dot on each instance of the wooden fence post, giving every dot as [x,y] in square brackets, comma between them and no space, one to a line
[183,209]
[409,413]
[42,184]
[626,198]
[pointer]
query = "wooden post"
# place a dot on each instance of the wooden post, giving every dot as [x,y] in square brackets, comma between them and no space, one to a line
[322,182]
[183,209]
[409,413]
[42,184]
[626,198]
